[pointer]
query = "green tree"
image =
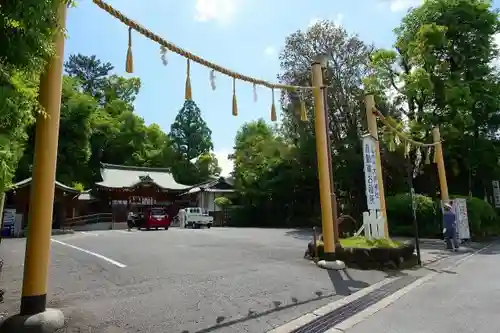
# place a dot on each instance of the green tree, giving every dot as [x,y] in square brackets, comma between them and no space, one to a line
[207,166]
[189,132]
[346,70]
[25,46]
[91,72]
[74,150]
[441,74]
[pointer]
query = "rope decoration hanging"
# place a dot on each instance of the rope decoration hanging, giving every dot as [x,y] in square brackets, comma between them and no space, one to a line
[166,45]
[235,103]
[273,107]
[129,64]
[408,141]
[188,94]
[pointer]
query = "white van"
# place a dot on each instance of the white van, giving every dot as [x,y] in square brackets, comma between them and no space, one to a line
[194,217]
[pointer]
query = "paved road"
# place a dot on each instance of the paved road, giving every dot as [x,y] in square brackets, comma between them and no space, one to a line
[221,280]
[465,299]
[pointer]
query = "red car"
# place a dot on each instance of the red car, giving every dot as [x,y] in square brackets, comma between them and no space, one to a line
[154,218]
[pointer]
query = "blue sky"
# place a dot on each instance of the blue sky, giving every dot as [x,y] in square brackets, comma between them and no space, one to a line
[243,35]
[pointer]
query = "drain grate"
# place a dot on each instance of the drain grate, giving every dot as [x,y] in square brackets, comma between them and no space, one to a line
[346,311]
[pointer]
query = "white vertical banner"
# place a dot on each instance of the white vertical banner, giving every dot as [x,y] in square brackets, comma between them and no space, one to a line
[370,168]
[462,218]
[496,193]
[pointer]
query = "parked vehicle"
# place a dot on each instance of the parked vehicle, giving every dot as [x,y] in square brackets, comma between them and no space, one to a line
[194,217]
[155,217]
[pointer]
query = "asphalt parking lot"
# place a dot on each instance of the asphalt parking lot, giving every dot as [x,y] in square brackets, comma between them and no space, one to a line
[181,280]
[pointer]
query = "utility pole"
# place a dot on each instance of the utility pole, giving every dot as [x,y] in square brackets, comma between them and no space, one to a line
[327,216]
[34,316]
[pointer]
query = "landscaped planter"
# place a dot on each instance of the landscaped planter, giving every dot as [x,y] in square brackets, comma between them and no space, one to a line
[375,255]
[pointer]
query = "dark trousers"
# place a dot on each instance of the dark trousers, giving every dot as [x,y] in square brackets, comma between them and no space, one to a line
[451,239]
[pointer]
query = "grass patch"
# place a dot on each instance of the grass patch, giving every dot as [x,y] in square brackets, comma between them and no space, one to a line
[362,242]
[359,252]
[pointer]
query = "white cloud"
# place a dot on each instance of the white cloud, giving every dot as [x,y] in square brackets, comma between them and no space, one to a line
[225,163]
[270,51]
[222,11]
[400,5]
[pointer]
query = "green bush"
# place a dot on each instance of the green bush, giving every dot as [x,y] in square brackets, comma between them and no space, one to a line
[400,215]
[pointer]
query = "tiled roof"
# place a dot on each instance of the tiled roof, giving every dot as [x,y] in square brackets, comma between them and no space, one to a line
[121,176]
[27,182]
[207,186]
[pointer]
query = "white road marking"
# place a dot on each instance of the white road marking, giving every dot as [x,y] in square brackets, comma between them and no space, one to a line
[100,256]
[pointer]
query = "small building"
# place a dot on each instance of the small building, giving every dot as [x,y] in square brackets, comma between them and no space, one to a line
[65,201]
[129,188]
[203,195]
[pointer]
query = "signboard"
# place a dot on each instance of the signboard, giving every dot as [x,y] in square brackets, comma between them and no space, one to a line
[370,168]
[9,217]
[496,193]
[137,200]
[460,210]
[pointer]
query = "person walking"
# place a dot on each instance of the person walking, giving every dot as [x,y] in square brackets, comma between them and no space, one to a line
[450,228]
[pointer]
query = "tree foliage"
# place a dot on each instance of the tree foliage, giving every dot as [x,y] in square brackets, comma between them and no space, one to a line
[99,124]
[25,45]
[441,72]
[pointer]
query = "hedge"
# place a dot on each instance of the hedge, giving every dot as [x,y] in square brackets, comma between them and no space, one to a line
[400,215]
[483,218]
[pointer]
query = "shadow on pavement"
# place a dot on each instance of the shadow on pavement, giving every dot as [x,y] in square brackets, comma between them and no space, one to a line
[254,314]
[342,286]
[303,234]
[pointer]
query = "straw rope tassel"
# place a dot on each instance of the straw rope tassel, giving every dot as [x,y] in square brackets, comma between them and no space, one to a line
[273,108]
[235,103]
[129,64]
[434,160]
[188,94]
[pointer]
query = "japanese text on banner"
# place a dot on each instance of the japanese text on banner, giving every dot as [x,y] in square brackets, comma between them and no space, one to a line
[370,168]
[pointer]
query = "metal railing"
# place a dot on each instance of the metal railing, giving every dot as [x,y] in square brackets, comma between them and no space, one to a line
[88,219]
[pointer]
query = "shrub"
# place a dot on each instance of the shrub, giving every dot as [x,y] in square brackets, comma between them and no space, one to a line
[222,201]
[400,215]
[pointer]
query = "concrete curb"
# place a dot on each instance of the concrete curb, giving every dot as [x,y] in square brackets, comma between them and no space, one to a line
[361,316]
[308,317]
